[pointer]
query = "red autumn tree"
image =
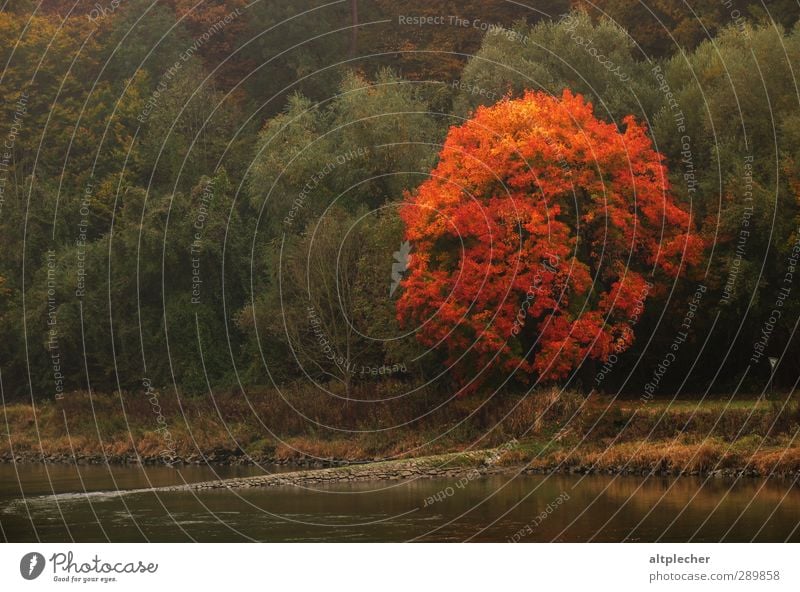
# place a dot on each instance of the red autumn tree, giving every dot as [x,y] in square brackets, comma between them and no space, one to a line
[536,237]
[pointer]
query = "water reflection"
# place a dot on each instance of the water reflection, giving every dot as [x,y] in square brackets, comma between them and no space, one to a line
[499,508]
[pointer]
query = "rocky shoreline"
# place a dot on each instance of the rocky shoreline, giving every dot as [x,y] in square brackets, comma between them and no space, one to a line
[462,466]
[402,470]
[469,464]
[316,471]
[219,458]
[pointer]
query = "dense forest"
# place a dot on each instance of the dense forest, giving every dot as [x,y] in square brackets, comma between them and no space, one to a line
[214,195]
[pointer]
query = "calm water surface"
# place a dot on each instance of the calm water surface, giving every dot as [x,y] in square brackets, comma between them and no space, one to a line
[64,503]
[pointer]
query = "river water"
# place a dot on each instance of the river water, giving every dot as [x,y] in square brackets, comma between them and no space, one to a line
[61,503]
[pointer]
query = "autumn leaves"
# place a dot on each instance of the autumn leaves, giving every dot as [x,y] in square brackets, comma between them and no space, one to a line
[536,237]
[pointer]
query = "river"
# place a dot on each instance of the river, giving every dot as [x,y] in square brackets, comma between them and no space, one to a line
[62,503]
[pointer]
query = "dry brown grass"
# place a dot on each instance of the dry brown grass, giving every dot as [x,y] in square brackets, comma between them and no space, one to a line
[266,424]
[542,409]
[700,456]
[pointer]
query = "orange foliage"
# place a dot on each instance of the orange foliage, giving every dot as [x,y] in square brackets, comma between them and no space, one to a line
[534,235]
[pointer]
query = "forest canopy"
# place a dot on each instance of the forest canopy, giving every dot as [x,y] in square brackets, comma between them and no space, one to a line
[190,198]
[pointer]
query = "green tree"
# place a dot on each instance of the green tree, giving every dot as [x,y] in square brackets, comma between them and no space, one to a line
[328,311]
[188,128]
[662,27]
[598,61]
[369,143]
[735,142]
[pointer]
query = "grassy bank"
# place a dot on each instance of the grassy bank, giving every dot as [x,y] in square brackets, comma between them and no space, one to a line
[552,429]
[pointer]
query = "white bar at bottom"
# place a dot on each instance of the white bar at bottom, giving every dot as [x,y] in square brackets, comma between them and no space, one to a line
[402,568]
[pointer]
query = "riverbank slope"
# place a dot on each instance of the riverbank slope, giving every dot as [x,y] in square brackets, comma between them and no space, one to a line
[547,431]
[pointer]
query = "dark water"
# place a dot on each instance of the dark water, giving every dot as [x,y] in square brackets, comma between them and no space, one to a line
[527,508]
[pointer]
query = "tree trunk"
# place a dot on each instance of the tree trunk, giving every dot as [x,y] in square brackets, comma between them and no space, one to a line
[354,32]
